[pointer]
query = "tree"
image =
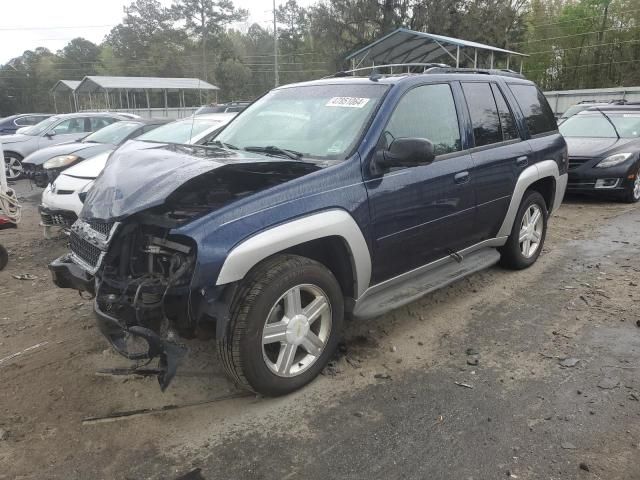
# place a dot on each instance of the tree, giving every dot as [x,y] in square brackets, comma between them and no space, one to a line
[205,17]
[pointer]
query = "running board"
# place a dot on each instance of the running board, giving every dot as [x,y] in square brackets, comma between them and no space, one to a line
[401,291]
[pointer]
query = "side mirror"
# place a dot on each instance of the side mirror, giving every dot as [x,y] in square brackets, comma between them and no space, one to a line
[405,152]
[50,134]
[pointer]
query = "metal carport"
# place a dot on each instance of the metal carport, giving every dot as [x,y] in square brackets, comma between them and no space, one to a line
[404,46]
[108,92]
[68,87]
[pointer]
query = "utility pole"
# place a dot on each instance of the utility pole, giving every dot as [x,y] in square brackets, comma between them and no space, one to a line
[275,45]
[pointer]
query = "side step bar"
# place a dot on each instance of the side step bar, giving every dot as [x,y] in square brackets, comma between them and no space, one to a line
[404,291]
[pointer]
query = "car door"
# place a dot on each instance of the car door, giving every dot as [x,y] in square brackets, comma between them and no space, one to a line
[424,212]
[67,130]
[499,155]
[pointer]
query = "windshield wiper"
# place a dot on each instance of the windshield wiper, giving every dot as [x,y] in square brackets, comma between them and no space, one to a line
[610,121]
[224,145]
[273,150]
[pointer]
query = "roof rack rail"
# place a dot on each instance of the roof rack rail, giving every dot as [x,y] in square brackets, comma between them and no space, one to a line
[428,68]
[505,72]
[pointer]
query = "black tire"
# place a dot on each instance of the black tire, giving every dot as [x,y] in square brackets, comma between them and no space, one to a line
[631,195]
[8,156]
[4,257]
[512,256]
[241,348]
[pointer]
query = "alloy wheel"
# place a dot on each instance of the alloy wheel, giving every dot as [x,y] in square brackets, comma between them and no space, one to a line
[636,186]
[13,167]
[531,230]
[297,330]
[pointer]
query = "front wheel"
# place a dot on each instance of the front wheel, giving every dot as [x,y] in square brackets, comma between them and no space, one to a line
[527,237]
[632,194]
[13,166]
[284,327]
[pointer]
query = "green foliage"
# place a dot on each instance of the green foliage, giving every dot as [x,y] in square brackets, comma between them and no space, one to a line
[572,43]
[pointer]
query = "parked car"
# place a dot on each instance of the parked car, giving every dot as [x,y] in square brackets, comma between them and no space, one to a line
[231,107]
[10,125]
[54,130]
[62,198]
[344,196]
[604,151]
[44,165]
[584,105]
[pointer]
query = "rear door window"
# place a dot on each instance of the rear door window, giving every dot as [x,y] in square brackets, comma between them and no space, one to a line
[535,108]
[428,112]
[484,113]
[100,122]
[507,122]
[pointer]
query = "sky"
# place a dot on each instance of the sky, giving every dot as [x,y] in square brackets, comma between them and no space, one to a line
[27,24]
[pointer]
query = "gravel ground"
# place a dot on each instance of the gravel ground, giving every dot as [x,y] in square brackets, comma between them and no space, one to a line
[531,375]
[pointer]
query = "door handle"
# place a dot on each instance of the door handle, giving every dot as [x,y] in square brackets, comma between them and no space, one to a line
[462,177]
[522,161]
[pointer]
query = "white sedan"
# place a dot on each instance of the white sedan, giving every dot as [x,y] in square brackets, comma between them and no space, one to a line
[62,200]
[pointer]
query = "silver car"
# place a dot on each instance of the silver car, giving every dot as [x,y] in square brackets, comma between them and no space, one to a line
[52,131]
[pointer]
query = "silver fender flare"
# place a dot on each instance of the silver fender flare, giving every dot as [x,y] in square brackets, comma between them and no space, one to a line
[537,171]
[330,223]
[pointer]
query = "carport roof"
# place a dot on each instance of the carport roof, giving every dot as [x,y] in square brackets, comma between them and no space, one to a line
[65,86]
[93,84]
[404,46]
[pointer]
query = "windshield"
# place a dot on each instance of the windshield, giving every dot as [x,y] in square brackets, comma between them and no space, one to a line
[323,121]
[571,111]
[210,109]
[39,128]
[181,131]
[594,124]
[114,134]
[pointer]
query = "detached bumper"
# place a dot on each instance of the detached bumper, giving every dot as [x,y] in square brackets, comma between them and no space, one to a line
[67,274]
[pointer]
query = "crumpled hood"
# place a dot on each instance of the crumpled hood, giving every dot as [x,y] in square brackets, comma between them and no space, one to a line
[141,175]
[596,147]
[83,150]
[89,168]
[15,138]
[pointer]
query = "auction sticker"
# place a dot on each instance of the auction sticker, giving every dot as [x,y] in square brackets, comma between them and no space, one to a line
[351,102]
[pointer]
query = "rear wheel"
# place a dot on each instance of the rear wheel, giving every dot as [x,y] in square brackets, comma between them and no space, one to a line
[632,194]
[4,257]
[528,233]
[13,165]
[284,326]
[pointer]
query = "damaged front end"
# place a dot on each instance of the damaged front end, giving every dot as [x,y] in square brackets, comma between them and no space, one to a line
[140,277]
[140,266]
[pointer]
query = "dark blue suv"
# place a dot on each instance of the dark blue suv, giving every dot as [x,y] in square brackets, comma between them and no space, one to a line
[343,197]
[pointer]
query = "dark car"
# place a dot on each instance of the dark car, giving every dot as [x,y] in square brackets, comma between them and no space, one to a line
[9,125]
[604,151]
[45,165]
[340,197]
[231,107]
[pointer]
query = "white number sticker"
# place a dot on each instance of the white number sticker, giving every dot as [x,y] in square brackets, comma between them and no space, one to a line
[351,102]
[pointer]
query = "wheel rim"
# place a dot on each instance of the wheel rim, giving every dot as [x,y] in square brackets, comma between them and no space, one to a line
[13,167]
[531,231]
[636,186]
[296,331]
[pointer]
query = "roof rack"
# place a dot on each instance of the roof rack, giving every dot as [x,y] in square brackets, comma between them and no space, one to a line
[427,68]
[505,72]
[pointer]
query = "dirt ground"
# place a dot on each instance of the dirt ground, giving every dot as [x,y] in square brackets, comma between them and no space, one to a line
[555,393]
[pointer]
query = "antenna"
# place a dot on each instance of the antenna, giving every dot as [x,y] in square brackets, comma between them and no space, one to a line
[275,45]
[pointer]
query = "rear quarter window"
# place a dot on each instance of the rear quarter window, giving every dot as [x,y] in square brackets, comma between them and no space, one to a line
[535,108]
